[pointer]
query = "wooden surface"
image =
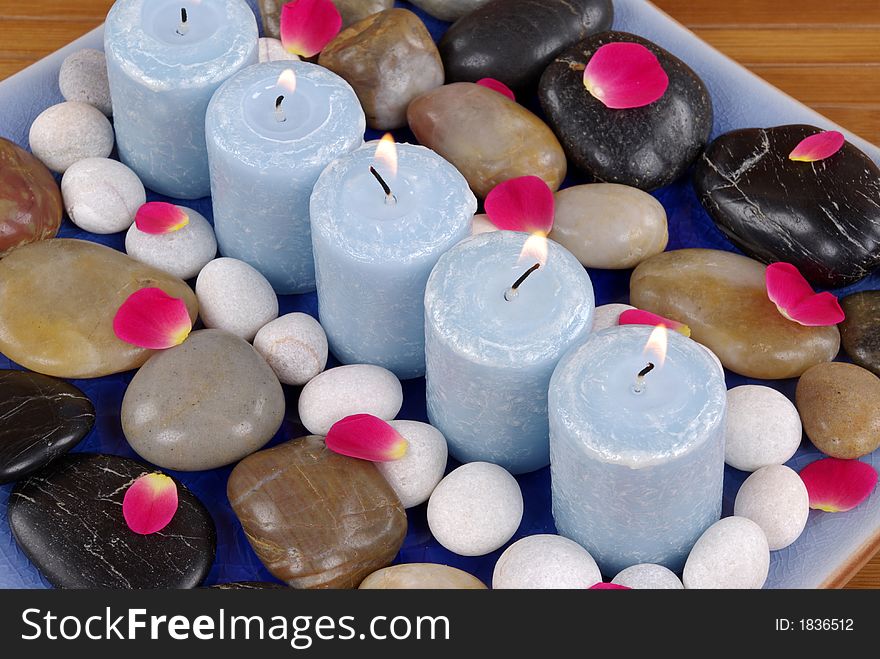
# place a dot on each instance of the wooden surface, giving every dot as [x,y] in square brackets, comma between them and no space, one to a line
[824,53]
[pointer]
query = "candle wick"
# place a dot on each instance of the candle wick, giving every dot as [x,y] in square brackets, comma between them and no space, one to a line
[640,378]
[183,28]
[513,291]
[389,196]
[279,111]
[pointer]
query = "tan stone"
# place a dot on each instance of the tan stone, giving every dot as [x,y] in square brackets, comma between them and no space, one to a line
[414,576]
[723,298]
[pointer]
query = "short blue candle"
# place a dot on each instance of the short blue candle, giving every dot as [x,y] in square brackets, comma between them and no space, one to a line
[490,354]
[374,251]
[163,72]
[272,129]
[636,465]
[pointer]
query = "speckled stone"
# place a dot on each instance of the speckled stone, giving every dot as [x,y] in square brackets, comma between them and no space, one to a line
[488,137]
[732,553]
[648,576]
[272,50]
[416,474]
[83,78]
[235,297]
[646,147]
[295,346]
[42,418]
[610,226]
[30,201]
[776,499]
[608,315]
[860,332]
[543,562]
[839,406]
[763,428]
[822,217]
[57,303]
[351,10]
[70,131]
[723,298]
[315,518]
[102,195]
[514,40]
[206,403]
[68,520]
[421,576]
[475,509]
[182,253]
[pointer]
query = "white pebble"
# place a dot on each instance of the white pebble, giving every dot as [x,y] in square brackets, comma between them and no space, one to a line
[68,132]
[234,297]
[295,346]
[347,390]
[183,253]
[648,576]
[482,224]
[763,428]
[102,195]
[475,509]
[543,562]
[776,499]
[417,473]
[732,553]
[271,50]
[607,315]
[83,78]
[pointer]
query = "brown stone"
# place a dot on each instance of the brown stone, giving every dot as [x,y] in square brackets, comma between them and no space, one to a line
[57,303]
[315,518]
[351,11]
[424,576]
[30,201]
[839,406]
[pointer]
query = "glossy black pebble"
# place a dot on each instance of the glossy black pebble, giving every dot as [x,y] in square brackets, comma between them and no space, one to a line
[249,585]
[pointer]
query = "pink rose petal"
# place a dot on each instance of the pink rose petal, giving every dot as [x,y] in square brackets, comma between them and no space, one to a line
[366,437]
[639,317]
[836,486]
[796,300]
[498,86]
[150,503]
[818,147]
[307,26]
[608,586]
[150,318]
[159,217]
[521,204]
[625,75]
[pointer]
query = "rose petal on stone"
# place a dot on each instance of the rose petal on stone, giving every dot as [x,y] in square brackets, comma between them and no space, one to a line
[836,485]
[366,437]
[150,503]
[608,586]
[639,317]
[309,25]
[818,147]
[625,75]
[159,217]
[150,318]
[523,204]
[796,300]
[498,86]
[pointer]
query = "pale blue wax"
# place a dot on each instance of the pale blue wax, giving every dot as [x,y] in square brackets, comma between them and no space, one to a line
[636,477]
[162,76]
[264,163]
[489,359]
[373,253]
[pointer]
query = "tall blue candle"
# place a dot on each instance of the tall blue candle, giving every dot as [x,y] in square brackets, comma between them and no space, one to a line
[272,129]
[490,351]
[637,462]
[165,59]
[375,249]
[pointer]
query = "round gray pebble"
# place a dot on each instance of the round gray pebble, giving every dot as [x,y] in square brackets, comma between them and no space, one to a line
[416,474]
[763,428]
[607,315]
[183,253]
[776,499]
[543,562]
[648,576]
[234,297]
[732,553]
[70,131]
[295,346]
[102,195]
[271,50]
[83,78]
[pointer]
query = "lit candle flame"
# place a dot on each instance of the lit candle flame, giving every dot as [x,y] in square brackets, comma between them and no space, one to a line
[287,80]
[386,155]
[534,250]
[655,348]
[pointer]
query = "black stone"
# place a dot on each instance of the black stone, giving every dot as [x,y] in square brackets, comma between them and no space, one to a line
[860,332]
[249,585]
[646,147]
[823,217]
[513,40]
[68,519]
[40,419]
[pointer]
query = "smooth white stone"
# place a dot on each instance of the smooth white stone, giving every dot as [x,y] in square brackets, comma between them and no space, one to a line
[271,50]
[475,509]
[732,553]
[68,132]
[295,346]
[482,224]
[545,561]
[449,10]
[763,428]
[648,576]
[83,78]
[234,297]
[183,253]
[102,195]
[607,315]
[346,390]
[417,473]
[776,499]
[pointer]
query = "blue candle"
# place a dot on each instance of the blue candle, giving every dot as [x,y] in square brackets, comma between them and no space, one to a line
[490,351]
[163,71]
[637,463]
[375,249]
[272,129]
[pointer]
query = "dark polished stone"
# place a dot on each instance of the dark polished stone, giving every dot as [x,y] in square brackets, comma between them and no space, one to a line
[249,585]
[40,419]
[513,40]
[860,332]
[68,520]
[823,217]
[646,147]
